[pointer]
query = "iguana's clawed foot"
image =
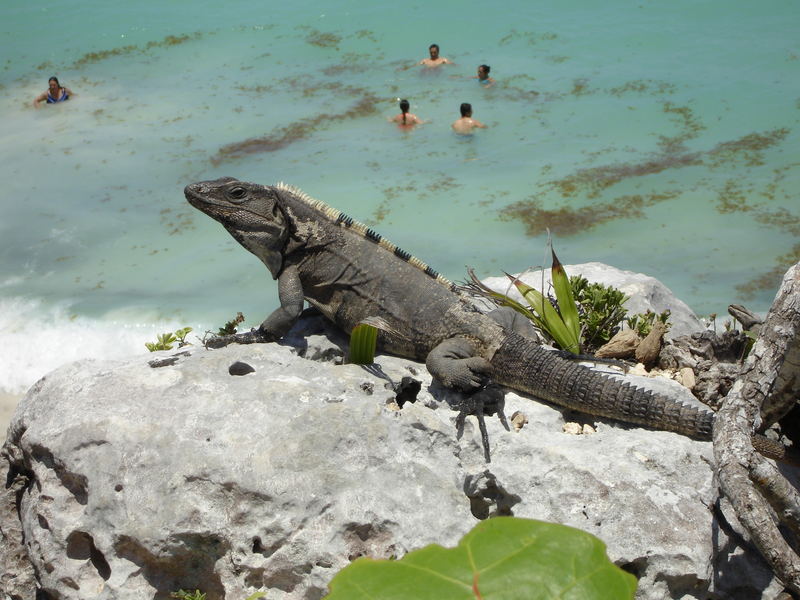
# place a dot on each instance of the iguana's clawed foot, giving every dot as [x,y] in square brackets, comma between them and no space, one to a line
[454,364]
[468,374]
[254,336]
[487,401]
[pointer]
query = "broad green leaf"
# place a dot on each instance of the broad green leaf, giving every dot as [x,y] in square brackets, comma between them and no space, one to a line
[503,558]
[566,301]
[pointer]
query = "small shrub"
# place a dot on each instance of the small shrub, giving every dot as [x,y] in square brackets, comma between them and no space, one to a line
[643,323]
[184,595]
[230,327]
[164,342]
[600,308]
[181,335]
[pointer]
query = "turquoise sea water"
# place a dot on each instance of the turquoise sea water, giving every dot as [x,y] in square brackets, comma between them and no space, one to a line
[656,137]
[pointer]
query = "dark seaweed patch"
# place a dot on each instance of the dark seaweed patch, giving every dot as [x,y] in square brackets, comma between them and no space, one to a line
[443,183]
[170,40]
[748,149]
[528,37]
[590,182]
[643,86]
[366,34]
[323,39]
[770,280]
[380,212]
[299,130]
[690,124]
[734,199]
[566,221]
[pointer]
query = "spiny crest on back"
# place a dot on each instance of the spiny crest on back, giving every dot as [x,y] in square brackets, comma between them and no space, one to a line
[341,219]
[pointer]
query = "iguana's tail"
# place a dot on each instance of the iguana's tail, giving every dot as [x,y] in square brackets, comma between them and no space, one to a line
[525,366]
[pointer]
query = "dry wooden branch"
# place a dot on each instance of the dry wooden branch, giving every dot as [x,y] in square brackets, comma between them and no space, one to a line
[769,378]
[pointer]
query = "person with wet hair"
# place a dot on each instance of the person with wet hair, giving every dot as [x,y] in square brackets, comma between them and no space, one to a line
[406,120]
[435,60]
[466,123]
[54,94]
[483,76]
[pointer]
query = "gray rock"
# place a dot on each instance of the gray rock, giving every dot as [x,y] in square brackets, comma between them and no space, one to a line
[129,481]
[713,381]
[644,292]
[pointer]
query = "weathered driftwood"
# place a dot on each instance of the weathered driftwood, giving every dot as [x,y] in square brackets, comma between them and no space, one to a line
[622,345]
[768,386]
[647,352]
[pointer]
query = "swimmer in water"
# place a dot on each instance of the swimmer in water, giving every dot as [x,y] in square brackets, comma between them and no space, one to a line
[466,123]
[55,93]
[435,60]
[406,120]
[483,76]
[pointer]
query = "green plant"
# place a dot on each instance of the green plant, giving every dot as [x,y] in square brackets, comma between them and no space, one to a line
[752,336]
[184,595]
[560,321]
[164,342]
[600,308]
[230,327]
[181,335]
[364,340]
[501,558]
[198,595]
[642,323]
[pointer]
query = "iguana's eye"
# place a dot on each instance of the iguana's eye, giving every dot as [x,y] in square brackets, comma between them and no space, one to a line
[237,193]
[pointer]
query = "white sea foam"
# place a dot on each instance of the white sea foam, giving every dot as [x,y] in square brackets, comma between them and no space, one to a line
[35,339]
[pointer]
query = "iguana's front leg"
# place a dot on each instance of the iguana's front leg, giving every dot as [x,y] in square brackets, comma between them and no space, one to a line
[280,321]
[454,364]
[290,294]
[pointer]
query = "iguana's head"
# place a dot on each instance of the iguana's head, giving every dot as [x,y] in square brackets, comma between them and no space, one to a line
[250,212]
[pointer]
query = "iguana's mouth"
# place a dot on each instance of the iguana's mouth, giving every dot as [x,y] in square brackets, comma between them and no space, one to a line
[196,193]
[194,196]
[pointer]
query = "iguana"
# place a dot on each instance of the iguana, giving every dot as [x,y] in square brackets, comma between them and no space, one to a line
[350,272]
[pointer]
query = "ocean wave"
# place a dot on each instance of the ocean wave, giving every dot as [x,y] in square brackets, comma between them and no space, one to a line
[36,338]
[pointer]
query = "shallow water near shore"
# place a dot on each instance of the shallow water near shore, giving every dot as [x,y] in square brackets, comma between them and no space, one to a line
[655,138]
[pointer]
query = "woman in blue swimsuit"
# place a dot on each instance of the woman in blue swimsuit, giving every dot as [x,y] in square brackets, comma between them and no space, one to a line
[54,94]
[483,76]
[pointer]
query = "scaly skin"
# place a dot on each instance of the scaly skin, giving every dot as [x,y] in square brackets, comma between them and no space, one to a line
[566,383]
[319,255]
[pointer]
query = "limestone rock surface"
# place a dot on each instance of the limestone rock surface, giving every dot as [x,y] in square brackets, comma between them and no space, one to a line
[134,478]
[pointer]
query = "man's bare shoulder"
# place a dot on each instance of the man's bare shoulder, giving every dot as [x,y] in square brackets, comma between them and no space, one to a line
[429,62]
